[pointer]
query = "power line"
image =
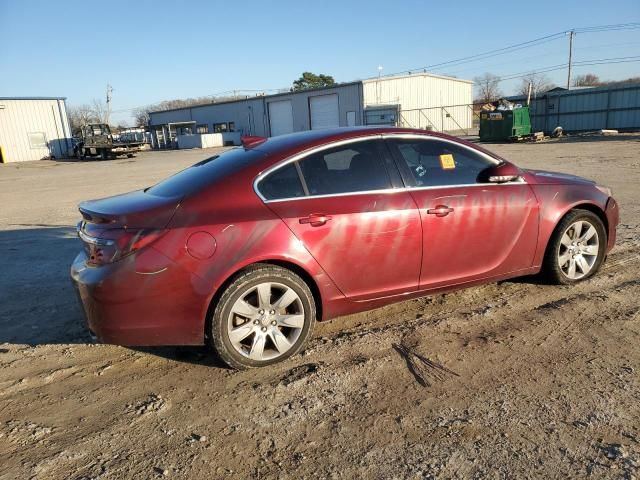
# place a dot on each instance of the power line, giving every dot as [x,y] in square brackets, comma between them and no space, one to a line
[520,46]
[608,28]
[488,54]
[562,66]
[483,56]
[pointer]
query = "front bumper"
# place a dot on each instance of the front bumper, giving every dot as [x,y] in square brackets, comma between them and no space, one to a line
[143,299]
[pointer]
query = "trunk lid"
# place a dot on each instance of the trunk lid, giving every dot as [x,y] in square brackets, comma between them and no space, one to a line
[136,209]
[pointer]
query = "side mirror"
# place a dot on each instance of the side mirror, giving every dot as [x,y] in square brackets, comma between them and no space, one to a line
[502,173]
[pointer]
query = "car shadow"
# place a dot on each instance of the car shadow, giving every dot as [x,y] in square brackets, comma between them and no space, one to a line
[194,355]
[37,301]
[38,304]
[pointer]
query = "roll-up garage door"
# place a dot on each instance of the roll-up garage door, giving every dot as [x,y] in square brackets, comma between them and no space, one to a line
[280,117]
[324,111]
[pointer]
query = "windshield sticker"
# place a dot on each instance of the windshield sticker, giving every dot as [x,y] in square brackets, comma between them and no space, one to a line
[447,162]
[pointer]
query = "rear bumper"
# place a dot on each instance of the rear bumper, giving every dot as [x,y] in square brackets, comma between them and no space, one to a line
[613,217]
[144,299]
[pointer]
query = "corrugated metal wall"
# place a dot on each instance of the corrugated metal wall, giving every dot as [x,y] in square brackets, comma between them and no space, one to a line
[614,107]
[33,129]
[251,115]
[421,97]
[246,114]
[349,100]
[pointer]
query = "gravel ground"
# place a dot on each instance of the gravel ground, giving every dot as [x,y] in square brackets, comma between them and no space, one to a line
[509,380]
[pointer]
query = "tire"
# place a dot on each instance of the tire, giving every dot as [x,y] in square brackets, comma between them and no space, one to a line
[266,331]
[104,154]
[565,249]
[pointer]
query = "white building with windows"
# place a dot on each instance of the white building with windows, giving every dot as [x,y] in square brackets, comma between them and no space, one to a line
[33,128]
[418,100]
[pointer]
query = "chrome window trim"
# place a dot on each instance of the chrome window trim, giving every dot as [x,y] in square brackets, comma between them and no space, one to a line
[346,194]
[299,156]
[489,158]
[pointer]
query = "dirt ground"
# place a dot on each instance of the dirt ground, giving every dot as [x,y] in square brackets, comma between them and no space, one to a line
[538,381]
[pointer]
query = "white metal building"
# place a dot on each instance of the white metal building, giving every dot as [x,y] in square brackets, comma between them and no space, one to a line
[33,128]
[419,101]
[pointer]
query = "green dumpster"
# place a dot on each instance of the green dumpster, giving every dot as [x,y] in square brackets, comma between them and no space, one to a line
[503,125]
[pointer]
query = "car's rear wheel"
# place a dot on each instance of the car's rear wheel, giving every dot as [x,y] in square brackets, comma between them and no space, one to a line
[265,315]
[576,249]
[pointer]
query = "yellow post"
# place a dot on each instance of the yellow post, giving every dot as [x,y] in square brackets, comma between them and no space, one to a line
[3,159]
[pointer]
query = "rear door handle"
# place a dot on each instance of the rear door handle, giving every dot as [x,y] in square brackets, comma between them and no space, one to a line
[440,210]
[315,219]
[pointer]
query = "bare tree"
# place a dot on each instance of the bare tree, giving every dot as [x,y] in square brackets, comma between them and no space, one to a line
[141,116]
[79,116]
[100,111]
[540,83]
[488,88]
[587,80]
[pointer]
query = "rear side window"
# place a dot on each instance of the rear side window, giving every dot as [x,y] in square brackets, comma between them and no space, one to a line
[204,173]
[433,163]
[283,183]
[355,167]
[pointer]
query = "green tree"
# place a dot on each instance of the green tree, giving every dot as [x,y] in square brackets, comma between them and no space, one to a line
[311,80]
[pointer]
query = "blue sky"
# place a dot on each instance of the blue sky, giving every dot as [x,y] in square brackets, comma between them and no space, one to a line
[158,50]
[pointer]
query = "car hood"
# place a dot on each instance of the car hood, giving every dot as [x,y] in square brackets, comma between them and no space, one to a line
[543,177]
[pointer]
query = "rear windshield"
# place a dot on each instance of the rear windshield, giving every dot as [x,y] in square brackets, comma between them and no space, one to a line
[203,173]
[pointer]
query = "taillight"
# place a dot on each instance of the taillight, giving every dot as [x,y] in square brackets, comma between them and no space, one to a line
[110,245]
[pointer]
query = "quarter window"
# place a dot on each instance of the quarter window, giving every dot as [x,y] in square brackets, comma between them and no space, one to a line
[430,163]
[283,183]
[352,168]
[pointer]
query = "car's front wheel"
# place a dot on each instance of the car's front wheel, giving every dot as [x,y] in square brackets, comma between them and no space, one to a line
[576,249]
[265,315]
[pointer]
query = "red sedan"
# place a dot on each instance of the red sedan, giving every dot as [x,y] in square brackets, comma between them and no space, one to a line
[246,250]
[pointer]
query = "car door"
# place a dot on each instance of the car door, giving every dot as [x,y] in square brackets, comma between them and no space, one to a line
[471,230]
[349,210]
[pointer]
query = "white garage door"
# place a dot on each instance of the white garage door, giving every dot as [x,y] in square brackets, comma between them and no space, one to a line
[324,111]
[280,117]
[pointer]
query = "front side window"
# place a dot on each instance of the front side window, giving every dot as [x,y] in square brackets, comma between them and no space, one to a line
[434,163]
[355,167]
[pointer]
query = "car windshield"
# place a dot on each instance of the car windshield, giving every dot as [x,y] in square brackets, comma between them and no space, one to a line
[192,179]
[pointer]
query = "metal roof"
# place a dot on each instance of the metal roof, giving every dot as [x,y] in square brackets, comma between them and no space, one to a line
[259,97]
[33,98]
[413,75]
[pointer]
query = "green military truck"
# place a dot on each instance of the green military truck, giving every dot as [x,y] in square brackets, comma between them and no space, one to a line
[96,140]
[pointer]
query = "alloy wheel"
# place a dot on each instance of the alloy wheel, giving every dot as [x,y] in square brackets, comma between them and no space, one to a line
[578,250]
[265,321]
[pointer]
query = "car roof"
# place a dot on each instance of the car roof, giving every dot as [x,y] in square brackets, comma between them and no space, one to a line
[293,143]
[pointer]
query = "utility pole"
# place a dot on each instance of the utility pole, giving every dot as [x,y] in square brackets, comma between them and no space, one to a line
[109,92]
[571,35]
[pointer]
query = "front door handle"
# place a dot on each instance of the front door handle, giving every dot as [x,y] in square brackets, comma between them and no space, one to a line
[316,219]
[440,211]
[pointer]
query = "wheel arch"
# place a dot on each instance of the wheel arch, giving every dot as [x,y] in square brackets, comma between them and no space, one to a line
[591,207]
[291,266]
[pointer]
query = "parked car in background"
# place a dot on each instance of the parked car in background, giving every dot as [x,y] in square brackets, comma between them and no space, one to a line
[248,249]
